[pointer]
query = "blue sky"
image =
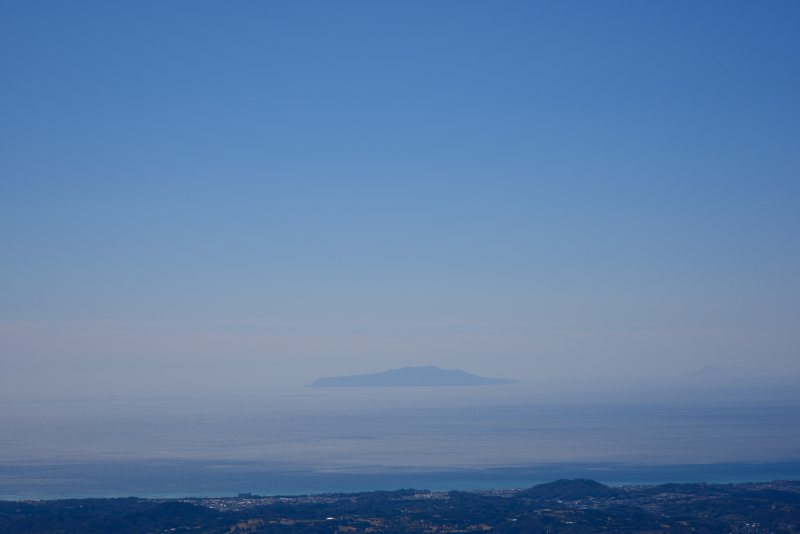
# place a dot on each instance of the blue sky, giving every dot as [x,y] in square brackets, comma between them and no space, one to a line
[292,190]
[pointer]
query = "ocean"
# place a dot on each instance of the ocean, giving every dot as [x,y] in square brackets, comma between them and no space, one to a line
[298,440]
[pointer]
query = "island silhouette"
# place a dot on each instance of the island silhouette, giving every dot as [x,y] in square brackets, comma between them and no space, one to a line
[411,376]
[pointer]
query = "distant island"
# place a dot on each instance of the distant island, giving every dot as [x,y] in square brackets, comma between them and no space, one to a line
[708,370]
[411,376]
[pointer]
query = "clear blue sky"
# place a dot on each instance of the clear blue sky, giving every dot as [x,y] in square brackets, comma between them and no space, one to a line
[273,192]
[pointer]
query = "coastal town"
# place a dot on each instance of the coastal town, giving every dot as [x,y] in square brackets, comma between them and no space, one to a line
[563,506]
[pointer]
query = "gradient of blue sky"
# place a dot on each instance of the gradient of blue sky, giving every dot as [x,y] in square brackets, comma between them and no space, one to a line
[272,192]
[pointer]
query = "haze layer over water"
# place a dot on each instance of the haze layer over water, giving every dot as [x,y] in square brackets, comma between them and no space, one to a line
[309,439]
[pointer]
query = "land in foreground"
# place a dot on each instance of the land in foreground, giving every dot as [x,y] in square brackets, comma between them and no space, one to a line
[563,506]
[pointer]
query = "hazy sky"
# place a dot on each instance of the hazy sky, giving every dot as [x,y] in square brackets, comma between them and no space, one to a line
[198,194]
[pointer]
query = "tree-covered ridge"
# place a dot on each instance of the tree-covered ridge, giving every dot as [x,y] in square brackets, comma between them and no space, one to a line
[564,506]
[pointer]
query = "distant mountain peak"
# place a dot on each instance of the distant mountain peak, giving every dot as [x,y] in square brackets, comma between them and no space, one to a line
[411,376]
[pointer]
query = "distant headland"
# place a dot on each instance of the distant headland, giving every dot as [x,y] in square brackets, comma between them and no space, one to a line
[411,376]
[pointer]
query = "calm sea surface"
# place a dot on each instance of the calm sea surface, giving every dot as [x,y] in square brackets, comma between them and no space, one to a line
[307,440]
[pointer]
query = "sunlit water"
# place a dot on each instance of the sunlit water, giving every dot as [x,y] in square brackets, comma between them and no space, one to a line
[298,440]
